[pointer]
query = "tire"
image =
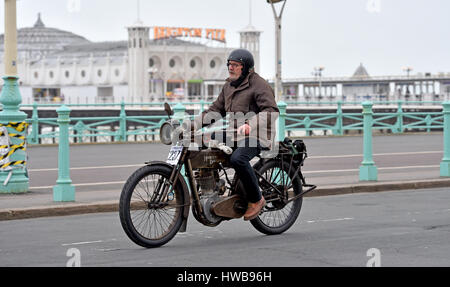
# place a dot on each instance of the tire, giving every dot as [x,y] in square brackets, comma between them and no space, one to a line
[277,217]
[146,225]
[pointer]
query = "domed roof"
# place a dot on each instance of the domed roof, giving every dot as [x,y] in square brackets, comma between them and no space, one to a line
[40,40]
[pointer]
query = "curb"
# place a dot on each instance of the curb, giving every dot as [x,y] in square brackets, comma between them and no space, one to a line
[59,210]
[113,206]
[379,186]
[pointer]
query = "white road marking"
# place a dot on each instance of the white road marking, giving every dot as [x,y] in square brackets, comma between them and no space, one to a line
[311,157]
[304,172]
[81,184]
[379,168]
[330,220]
[375,154]
[87,167]
[88,242]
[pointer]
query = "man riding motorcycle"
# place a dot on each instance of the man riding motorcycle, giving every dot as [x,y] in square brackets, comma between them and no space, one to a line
[250,101]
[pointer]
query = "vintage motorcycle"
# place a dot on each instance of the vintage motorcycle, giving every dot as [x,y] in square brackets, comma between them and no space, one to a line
[155,200]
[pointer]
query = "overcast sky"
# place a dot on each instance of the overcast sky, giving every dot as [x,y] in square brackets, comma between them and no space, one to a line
[384,35]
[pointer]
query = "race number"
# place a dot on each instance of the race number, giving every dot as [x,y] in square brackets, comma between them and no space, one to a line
[174,155]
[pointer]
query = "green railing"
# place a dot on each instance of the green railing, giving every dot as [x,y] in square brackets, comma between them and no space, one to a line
[146,127]
[367,121]
[340,121]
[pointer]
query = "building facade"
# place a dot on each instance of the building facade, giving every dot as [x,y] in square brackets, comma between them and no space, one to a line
[56,65]
[361,86]
[60,66]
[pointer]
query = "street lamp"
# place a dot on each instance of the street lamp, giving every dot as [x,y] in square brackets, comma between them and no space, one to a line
[278,84]
[152,71]
[14,181]
[318,73]
[407,70]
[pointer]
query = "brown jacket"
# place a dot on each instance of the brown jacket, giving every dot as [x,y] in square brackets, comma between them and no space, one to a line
[252,102]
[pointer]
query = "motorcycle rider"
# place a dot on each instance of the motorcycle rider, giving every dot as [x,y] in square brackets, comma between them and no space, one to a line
[246,93]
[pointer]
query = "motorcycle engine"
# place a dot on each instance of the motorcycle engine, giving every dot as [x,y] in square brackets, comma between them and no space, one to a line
[210,187]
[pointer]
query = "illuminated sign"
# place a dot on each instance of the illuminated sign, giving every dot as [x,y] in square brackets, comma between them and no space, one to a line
[172,32]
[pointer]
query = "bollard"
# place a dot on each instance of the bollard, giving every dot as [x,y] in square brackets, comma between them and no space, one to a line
[63,190]
[281,131]
[367,170]
[445,163]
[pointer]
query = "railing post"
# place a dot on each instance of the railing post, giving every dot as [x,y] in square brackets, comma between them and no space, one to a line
[281,131]
[399,124]
[15,180]
[63,190]
[367,170]
[122,123]
[202,106]
[178,112]
[338,129]
[34,136]
[445,163]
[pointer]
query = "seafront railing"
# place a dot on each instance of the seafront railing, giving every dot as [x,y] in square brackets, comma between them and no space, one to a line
[81,128]
[338,118]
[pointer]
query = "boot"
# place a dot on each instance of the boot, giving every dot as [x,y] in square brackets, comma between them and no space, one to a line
[254,209]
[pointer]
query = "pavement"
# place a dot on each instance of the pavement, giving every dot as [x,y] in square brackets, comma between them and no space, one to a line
[39,202]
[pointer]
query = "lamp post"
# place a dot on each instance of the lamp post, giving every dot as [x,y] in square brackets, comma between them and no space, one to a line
[278,83]
[152,71]
[318,73]
[13,180]
[407,70]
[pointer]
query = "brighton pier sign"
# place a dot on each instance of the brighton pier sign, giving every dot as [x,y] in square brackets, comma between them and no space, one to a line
[172,32]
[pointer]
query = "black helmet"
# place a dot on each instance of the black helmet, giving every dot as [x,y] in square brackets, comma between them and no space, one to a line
[242,56]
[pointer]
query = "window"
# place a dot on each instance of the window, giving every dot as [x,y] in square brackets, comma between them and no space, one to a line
[99,73]
[117,72]
[83,73]
[172,63]
[194,89]
[212,64]
[36,75]
[151,62]
[105,95]
[192,63]
[67,74]
[51,74]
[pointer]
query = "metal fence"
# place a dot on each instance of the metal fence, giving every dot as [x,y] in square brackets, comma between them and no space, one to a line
[125,127]
[79,129]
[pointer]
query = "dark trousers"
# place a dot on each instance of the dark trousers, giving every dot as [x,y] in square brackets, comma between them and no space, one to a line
[240,161]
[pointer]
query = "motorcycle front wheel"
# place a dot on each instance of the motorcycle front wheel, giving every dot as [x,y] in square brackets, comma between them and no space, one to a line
[148,219]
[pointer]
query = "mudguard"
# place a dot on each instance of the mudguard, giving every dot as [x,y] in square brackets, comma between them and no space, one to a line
[187,196]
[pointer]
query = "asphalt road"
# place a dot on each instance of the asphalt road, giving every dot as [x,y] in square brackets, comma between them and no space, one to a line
[331,161]
[400,228]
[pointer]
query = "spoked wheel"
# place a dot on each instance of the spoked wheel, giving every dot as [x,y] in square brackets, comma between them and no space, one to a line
[148,219]
[278,216]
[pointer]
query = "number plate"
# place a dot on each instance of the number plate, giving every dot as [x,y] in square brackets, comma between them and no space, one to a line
[174,155]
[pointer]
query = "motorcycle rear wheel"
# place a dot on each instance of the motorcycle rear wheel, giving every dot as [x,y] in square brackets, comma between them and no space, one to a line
[277,216]
[150,223]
